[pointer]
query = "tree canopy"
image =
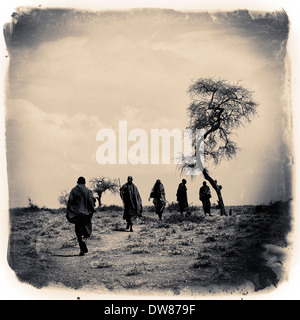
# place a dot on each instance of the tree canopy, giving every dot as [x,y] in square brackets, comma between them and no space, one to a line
[101,184]
[218,108]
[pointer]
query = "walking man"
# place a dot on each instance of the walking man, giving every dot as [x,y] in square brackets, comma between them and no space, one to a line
[182,196]
[132,202]
[80,210]
[159,198]
[204,196]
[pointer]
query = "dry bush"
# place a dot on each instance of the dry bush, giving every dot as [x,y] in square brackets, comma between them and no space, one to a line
[133,271]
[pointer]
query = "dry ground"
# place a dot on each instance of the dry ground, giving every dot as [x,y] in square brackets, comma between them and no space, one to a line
[196,255]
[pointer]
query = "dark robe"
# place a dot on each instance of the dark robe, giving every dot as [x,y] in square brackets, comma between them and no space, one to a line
[205,195]
[80,210]
[132,202]
[182,197]
[159,198]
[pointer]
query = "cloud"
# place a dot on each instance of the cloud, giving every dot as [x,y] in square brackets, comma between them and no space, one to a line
[46,149]
[72,87]
[102,76]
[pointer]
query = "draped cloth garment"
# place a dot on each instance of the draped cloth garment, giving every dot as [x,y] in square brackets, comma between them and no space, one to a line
[132,201]
[182,197]
[80,209]
[159,197]
[205,195]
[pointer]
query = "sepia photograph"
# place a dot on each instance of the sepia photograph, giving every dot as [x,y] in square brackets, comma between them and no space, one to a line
[148,150]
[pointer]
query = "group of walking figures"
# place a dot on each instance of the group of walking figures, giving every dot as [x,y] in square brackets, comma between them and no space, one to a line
[81,205]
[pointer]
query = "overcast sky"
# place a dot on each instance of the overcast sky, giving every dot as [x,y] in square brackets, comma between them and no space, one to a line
[65,88]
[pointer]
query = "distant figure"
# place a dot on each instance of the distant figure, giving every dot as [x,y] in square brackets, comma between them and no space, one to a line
[80,210]
[132,202]
[159,198]
[182,196]
[204,196]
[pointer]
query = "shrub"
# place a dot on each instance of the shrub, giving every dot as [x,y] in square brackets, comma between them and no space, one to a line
[140,251]
[32,206]
[202,264]
[210,239]
[203,256]
[149,208]
[111,207]
[230,253]
[187,242]
[173,206]
[133,271]
[174,218]
[218,247]
[194,208]
[243,224]
[100,264]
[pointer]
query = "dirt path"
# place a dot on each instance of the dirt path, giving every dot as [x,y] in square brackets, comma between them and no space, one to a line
[195,256]
[154,259]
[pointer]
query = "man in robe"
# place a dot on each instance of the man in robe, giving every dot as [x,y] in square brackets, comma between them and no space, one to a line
[182,196]
[80,210]
[159,198]
[204,196]
[132,202]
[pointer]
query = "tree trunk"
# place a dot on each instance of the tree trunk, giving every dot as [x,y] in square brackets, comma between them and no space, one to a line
[99,200]
[218,191]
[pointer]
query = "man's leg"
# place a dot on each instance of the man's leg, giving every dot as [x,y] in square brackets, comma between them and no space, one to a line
[129,224]
[79,234]
[158,212]
[181,208]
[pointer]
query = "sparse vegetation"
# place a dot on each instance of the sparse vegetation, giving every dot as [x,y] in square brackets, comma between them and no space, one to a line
[180,252]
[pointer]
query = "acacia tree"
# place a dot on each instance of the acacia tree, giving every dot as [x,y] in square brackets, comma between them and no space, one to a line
[100,185]
[218,108]
[63,198]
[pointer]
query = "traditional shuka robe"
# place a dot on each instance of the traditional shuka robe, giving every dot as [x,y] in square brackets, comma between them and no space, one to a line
[159,197]
[182,196]
[205,195]
[80,209]
[132,201]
